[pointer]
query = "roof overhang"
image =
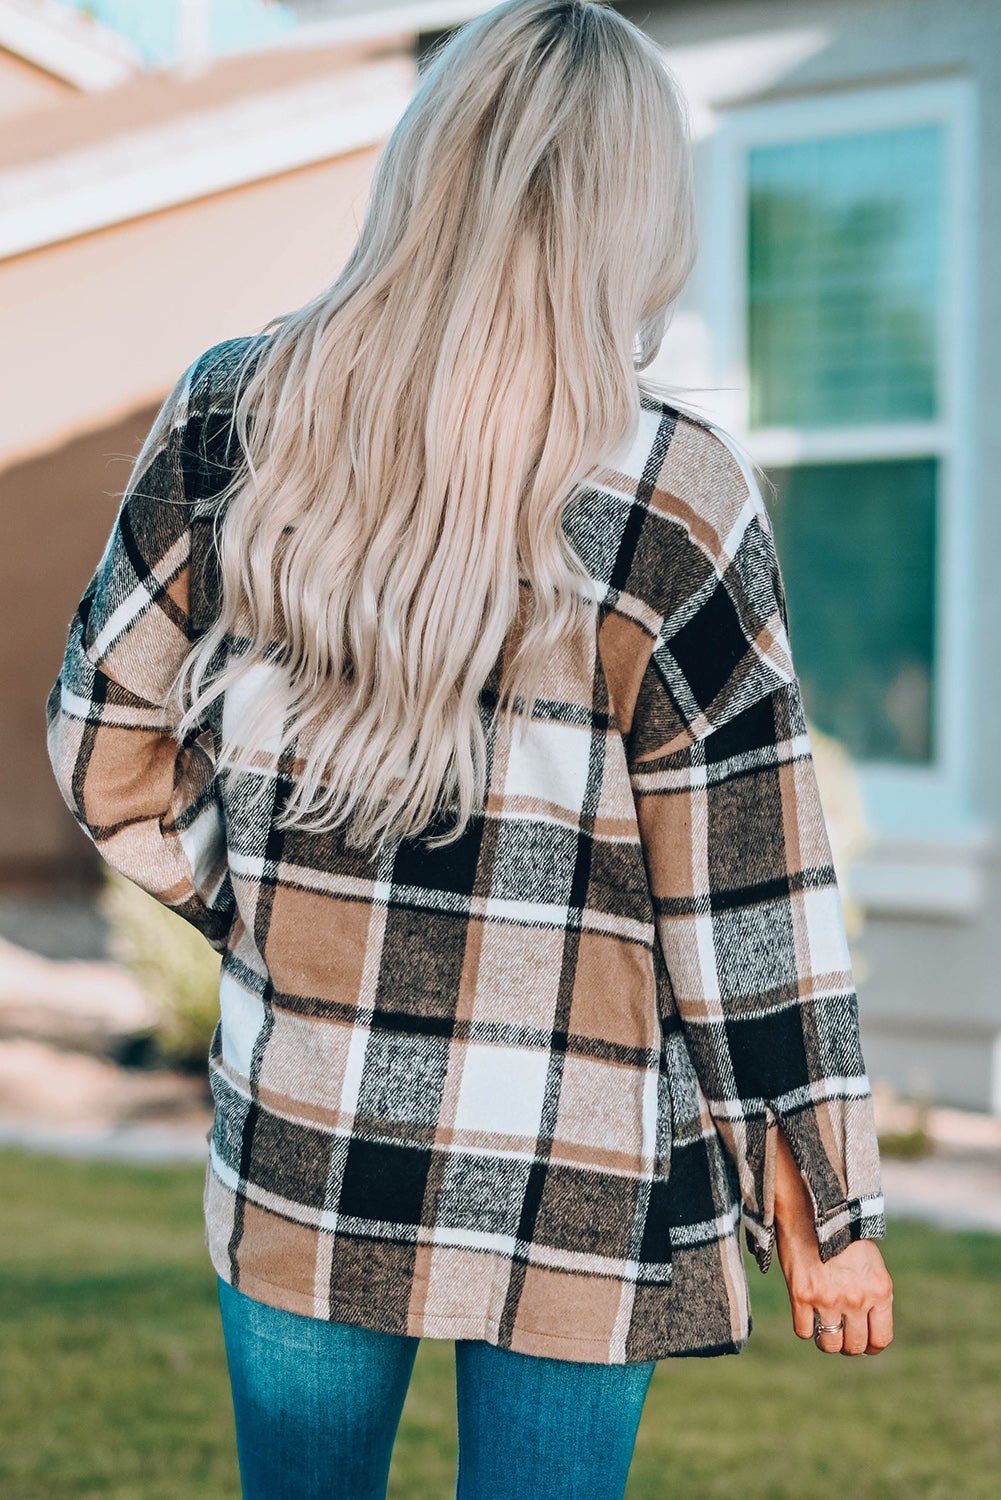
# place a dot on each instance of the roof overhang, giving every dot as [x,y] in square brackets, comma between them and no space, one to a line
[68,45]
[371,22]
[200,153]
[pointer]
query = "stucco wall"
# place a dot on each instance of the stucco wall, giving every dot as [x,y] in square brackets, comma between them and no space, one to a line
[105,323]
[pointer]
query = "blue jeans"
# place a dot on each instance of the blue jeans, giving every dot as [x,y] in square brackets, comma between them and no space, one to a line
[317,1406]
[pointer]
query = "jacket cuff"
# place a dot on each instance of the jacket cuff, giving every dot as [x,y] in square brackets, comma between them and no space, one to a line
[844,1185]
[836,1228]
[852,1219]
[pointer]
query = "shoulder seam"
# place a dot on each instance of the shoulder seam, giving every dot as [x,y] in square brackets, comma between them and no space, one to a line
[218,370]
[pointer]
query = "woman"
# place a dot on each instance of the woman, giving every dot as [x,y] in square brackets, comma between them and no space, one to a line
[438,672]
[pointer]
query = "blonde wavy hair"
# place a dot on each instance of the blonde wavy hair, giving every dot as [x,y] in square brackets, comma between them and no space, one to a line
[410,437]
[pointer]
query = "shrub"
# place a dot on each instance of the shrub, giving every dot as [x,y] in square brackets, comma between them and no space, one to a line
[844,814]
[173,964]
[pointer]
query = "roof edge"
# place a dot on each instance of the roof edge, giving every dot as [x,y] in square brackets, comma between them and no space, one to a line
[67,45]
[379,22]
[204,153]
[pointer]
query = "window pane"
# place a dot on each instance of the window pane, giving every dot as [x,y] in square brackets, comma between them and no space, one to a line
[845,264]
[857,548]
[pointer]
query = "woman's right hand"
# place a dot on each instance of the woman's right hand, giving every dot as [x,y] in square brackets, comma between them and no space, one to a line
[854,1285]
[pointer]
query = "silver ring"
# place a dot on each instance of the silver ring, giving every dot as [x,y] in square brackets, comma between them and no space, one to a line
[829,1327]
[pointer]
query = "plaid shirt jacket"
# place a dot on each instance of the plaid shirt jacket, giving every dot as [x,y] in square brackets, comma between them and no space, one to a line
[521,1088]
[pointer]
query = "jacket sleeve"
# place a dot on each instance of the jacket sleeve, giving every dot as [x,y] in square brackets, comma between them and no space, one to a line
[747,907]
[147,801]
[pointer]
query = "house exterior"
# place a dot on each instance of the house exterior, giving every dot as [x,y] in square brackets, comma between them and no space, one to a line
[842,322]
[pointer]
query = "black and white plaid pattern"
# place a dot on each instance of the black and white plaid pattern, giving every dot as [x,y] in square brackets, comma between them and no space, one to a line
[519,1088]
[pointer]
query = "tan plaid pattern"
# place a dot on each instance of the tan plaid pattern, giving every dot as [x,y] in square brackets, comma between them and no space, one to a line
[520,1088]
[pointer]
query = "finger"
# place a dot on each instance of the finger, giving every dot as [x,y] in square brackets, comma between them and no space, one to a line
[829,1342]
[802,1320]
[855,1337]
[880,1328]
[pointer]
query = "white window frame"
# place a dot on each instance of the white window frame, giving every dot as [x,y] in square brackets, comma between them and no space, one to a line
[899,798]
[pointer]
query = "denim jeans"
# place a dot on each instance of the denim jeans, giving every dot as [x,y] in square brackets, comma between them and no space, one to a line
[317,1405]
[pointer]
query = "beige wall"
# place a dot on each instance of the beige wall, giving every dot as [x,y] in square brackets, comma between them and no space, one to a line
[107,322]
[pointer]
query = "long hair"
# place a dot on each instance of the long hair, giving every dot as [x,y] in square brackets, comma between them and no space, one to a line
[410,437]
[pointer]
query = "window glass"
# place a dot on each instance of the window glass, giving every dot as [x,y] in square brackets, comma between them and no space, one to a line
[845,265]
[856,542]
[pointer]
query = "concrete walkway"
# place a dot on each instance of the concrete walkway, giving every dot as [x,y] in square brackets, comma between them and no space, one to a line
[947,1191]
[145,1145]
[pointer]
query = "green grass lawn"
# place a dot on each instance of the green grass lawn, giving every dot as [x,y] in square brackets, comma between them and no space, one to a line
[113,1376]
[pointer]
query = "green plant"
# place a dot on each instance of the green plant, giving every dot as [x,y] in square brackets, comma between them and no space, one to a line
[174,965]
[844,815]
[906,1143]
[911,1138]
